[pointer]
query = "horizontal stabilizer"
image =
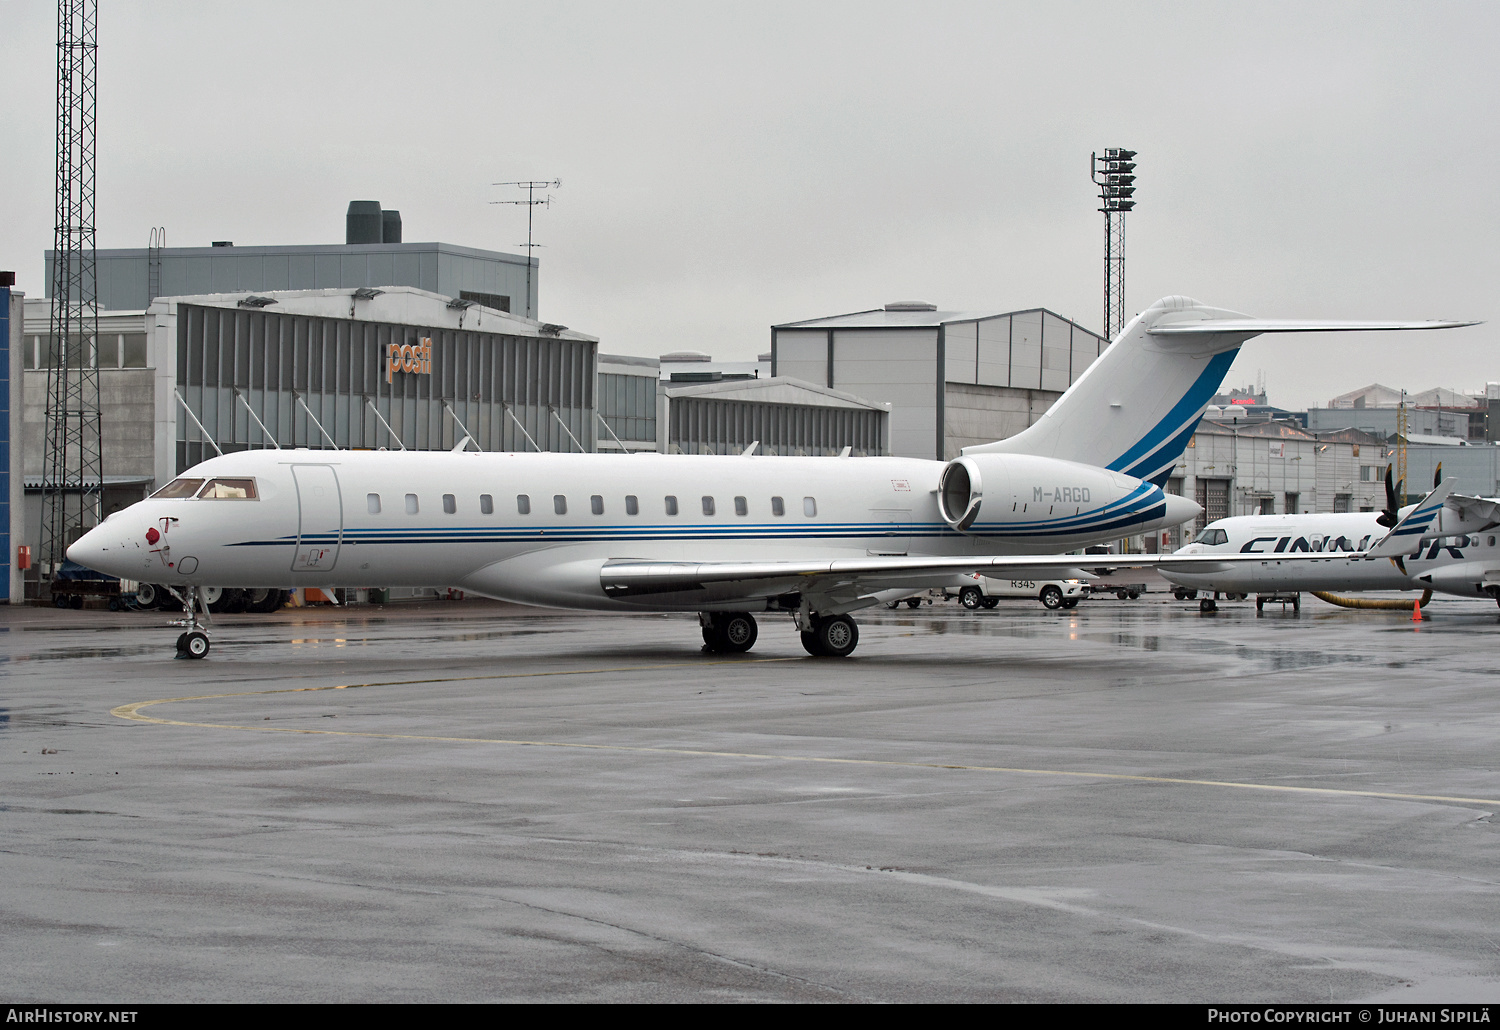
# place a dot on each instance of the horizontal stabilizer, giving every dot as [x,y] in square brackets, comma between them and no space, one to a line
[1255,326]
[1486,508]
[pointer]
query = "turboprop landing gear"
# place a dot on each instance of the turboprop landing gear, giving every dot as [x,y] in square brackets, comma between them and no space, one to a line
[194,642]
[831,636]
[728,632]
[1207,605]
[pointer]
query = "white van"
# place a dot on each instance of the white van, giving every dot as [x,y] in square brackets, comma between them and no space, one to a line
[984,592]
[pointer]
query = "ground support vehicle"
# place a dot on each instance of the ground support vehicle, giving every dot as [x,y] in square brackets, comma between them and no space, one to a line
[978,591]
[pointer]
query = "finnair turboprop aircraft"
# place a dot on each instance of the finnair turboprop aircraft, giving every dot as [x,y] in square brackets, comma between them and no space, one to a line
[1445,542]
[814,538]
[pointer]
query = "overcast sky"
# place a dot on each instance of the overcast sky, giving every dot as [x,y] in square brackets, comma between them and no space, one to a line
[729,166]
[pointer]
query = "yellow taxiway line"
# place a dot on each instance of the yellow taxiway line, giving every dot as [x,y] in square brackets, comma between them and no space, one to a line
[133,712]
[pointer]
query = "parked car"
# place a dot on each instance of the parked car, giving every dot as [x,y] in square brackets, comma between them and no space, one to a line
[984,592]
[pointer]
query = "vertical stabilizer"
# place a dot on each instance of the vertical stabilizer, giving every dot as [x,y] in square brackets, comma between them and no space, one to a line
[1135,408]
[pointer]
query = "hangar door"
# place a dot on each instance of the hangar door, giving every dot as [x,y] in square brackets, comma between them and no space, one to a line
[320,518]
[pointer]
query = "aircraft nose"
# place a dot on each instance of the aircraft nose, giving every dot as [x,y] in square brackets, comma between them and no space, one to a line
[1180,510]
[94,551]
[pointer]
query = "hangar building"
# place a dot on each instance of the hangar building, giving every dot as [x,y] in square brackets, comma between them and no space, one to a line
[951,378]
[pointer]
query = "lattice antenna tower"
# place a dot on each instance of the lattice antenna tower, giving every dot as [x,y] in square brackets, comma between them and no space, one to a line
[532,202]
[1114,174]
[157,242]
[73,479]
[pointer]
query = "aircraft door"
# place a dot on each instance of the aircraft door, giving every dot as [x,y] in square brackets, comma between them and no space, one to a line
[320,518]
[891,529]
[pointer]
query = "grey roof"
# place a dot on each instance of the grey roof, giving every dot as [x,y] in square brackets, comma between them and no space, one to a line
[880,318]
[310,248]
[773,390]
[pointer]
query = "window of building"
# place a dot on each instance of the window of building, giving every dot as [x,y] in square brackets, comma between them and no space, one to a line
[596,504]
[1291,503]
[450,504]
[372,503]
[632,505]
[523,504]
[809,507]
[229,490]
[486,504]
[741,507]
[411,504]
[134,353]
[560,504]
[778,507]
[671,505]
[708,505]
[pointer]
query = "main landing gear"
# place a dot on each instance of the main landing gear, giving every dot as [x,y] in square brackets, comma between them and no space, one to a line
[824,636]
[728,632]
[193,642]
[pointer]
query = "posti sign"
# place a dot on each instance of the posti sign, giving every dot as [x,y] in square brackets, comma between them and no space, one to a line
[409,357]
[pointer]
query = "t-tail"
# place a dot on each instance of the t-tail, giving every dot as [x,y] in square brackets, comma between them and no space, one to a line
[1134,410]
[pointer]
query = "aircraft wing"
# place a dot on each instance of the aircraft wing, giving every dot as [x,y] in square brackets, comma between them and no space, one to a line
[843,578]
[1255,326]
[1487,508]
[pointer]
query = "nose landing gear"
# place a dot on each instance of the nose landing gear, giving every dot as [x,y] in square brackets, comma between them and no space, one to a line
[193,643]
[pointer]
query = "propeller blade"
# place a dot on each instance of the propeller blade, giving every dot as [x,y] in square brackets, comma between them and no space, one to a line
[1437,476]
[1388,517]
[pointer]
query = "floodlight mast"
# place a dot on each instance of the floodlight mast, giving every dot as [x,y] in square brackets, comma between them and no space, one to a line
[1114,175]
[531,203]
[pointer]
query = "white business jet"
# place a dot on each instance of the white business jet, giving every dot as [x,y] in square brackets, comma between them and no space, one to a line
[727,537]
[1445,542]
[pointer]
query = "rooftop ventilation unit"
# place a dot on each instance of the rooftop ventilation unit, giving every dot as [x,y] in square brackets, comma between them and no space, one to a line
[910,305]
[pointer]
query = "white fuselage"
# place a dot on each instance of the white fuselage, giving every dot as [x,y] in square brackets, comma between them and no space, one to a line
[1309,552]
[537,528]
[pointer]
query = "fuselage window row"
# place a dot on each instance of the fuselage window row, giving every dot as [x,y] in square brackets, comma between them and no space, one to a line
[596,505]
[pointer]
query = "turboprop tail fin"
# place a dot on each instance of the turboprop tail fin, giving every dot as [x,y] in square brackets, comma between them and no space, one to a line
[1135,408]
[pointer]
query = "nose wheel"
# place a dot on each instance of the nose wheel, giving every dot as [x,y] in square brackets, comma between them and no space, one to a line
[194,642]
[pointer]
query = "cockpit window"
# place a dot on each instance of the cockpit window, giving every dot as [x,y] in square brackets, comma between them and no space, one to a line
[229,490]
[179,488]
[1211,536]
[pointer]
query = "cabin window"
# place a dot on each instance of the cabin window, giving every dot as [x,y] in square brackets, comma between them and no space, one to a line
[372,502]
[708,505]
[523,504]
[596,504]
[809,507]
[179,488]
[671,505]
[229,490]
[778,507]
[560,504]
[486,504]
[450,504]
[411,504]
[1492,541]
[741,507]
[632,505]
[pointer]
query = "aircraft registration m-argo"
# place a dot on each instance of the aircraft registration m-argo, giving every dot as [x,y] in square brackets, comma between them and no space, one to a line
[724,536]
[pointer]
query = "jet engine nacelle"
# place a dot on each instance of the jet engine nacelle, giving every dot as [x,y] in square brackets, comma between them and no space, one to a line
[987,491]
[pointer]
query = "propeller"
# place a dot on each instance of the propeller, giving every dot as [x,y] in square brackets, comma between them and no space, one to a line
[1389,518]
[1437,476]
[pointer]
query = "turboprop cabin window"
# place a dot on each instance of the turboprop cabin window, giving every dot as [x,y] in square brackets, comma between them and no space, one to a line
[179,488]
[671,505]
[486,504]
[372,502]
[411,504]
[778,507]
[809,507]
[450,504]
[229,490]
[632,505]
[523,504]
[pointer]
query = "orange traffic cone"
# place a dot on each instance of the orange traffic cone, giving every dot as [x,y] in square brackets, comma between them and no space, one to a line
[1416,611]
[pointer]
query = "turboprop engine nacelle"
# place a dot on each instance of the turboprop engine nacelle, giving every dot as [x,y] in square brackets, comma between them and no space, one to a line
[986,494]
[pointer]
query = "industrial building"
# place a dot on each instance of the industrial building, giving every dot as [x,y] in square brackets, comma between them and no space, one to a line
[950,379]
[372,255]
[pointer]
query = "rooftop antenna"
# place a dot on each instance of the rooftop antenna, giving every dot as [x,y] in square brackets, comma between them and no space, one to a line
[1114,175]
[531,202]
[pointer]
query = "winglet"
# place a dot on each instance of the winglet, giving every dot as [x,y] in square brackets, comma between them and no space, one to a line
[1402,538]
